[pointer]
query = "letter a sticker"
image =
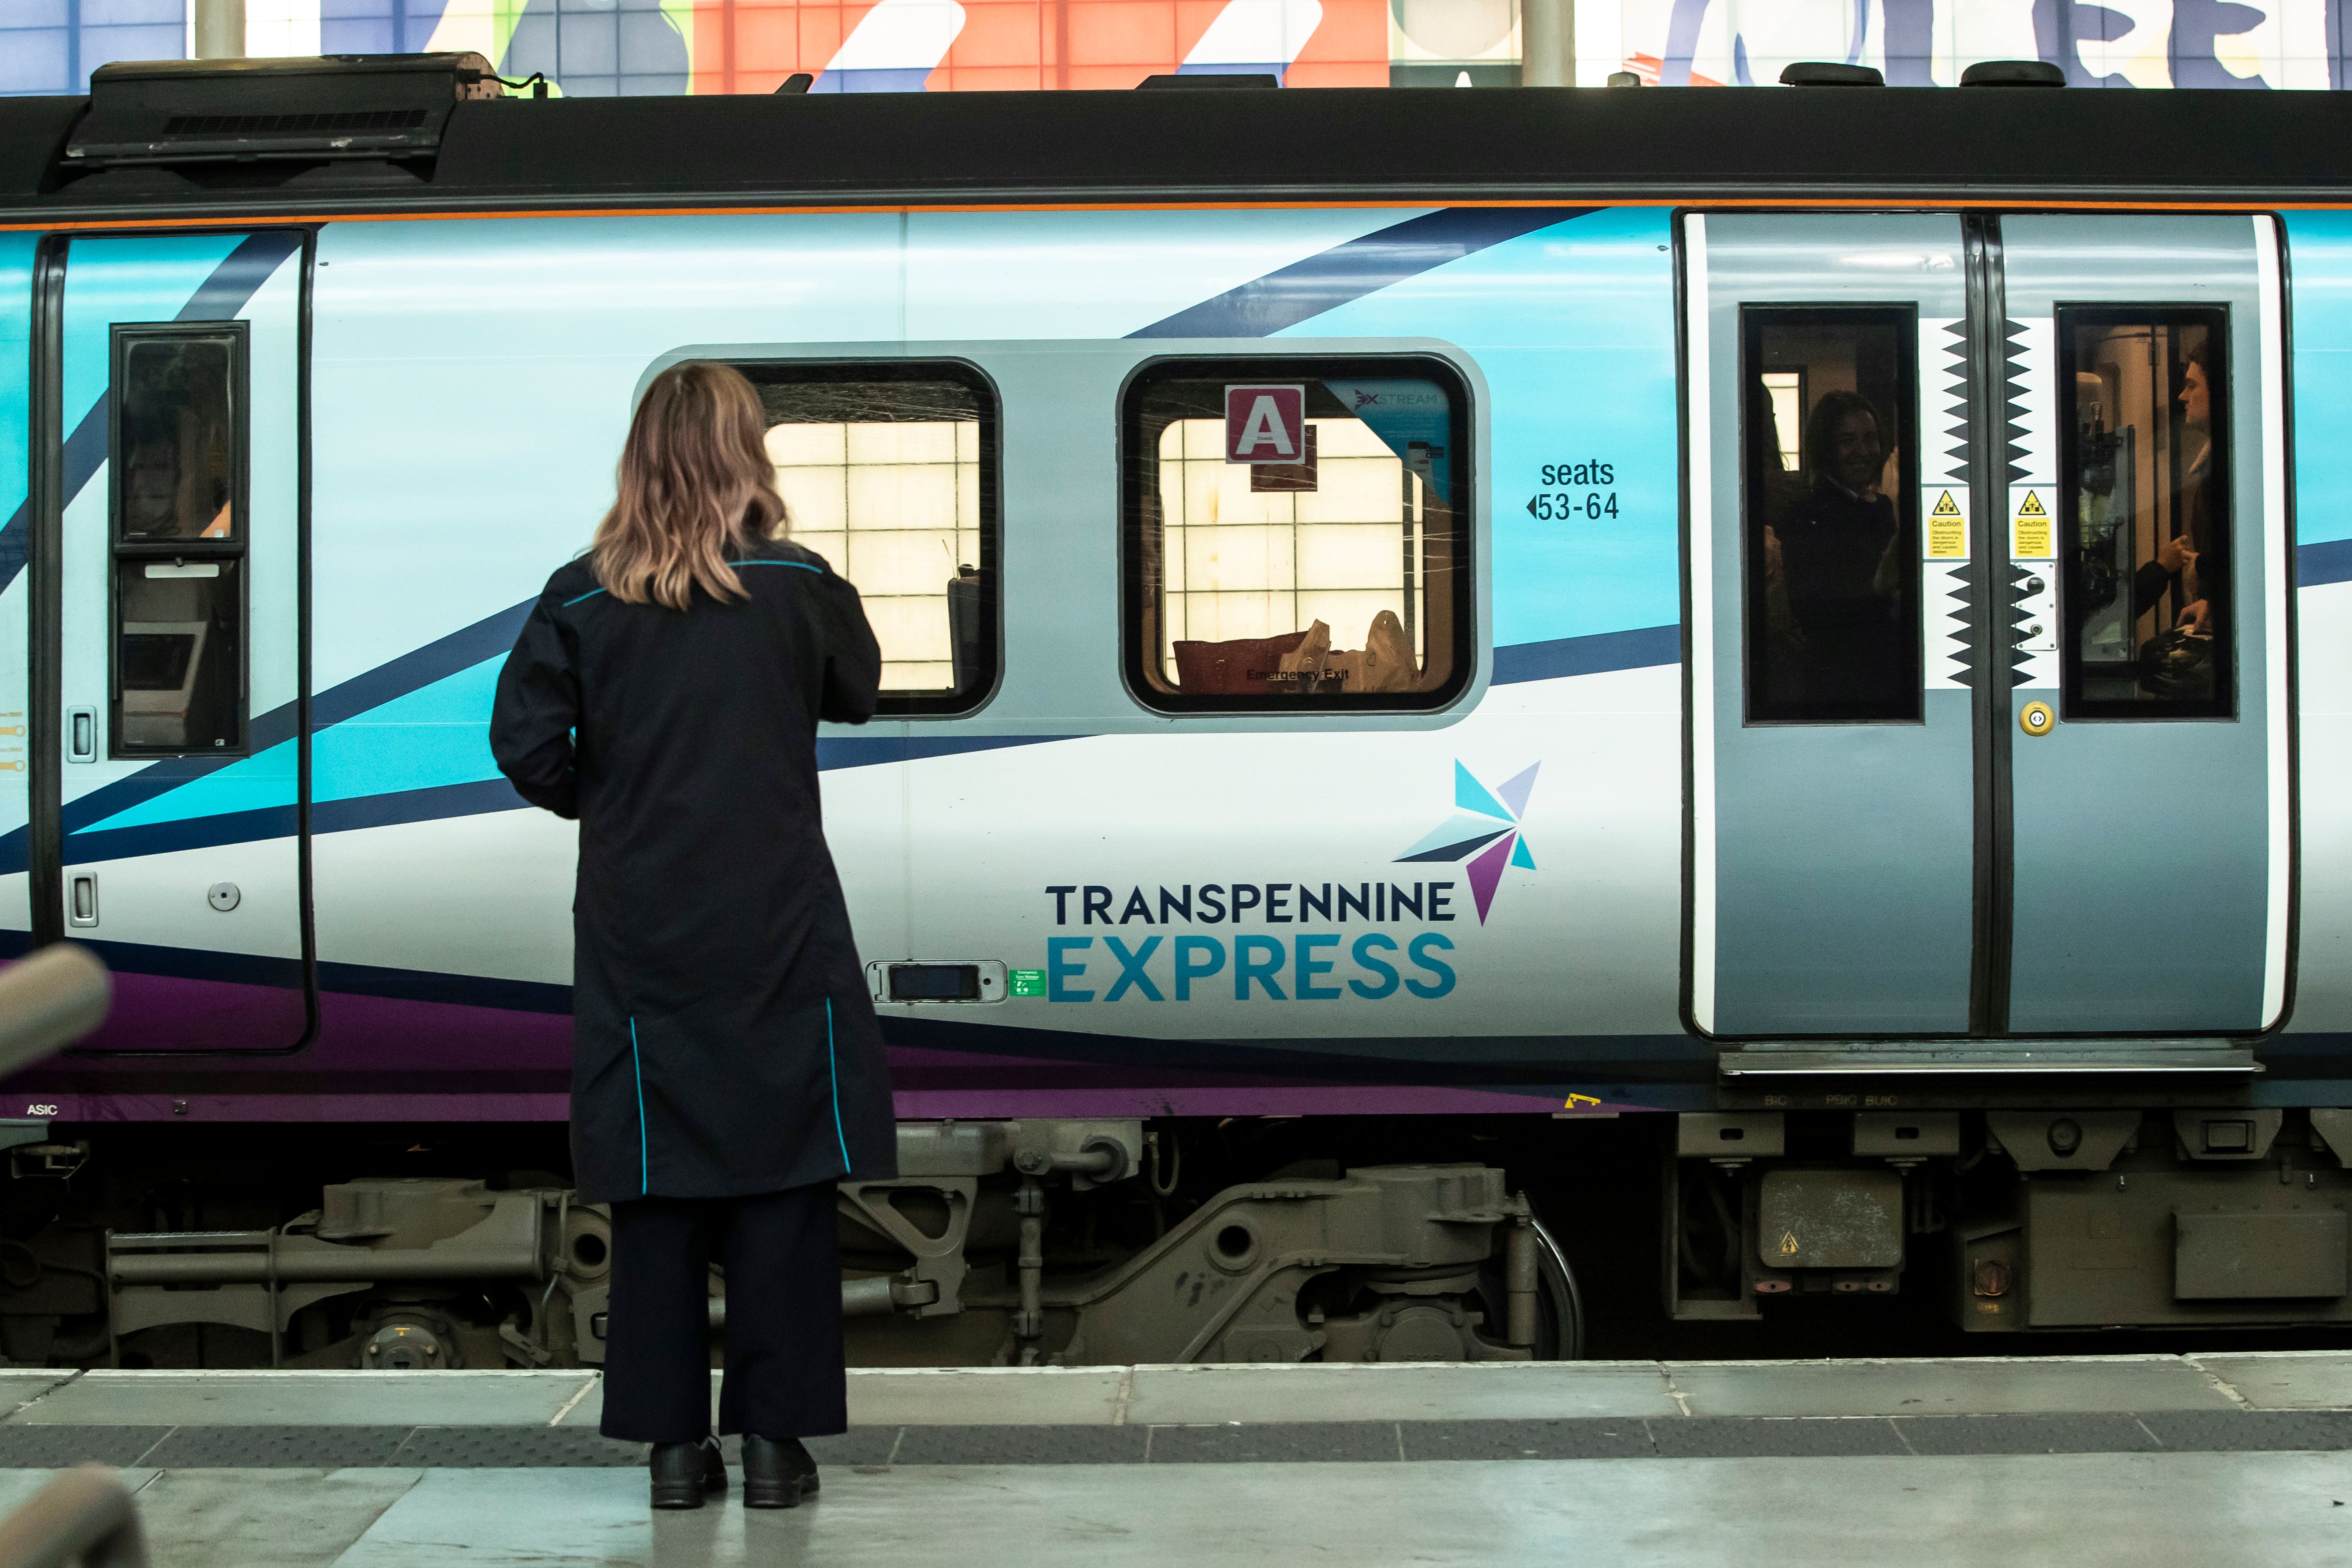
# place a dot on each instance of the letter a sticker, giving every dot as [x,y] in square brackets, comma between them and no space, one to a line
[1265,424]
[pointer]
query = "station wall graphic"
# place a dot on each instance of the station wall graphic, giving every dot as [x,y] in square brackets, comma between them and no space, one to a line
[639,47]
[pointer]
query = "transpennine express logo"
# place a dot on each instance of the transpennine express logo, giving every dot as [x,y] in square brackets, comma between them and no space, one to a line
[1485,824]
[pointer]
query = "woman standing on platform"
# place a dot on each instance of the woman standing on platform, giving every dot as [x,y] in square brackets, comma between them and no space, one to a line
[727,1071]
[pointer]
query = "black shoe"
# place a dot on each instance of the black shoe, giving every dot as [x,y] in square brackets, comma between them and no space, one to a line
[777,1472]
[682,1472]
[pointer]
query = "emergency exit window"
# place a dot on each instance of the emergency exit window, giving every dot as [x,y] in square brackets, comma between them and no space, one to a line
[1297,535]
[1829,526]
[2144,494]
[177,594]
[889,471]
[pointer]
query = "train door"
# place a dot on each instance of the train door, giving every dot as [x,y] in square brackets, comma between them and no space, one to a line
[1834,841]
[2151,808]
[1988,717]
[167,555]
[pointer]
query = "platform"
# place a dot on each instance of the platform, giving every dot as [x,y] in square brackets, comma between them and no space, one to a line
[1977,1461]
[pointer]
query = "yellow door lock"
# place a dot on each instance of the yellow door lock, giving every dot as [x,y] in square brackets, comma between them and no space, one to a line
[2035,719]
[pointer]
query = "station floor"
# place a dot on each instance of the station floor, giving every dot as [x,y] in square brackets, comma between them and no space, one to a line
[2146,1460]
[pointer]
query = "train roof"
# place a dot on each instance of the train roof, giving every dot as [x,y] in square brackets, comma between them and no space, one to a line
[1989,145]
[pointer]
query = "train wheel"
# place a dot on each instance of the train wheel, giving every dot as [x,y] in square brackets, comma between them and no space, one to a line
[1559,1307]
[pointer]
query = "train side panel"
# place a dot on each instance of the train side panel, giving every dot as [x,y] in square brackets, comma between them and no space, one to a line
[502,462]
[447,480]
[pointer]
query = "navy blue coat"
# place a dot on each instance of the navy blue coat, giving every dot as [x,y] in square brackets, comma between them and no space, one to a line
[725,1042]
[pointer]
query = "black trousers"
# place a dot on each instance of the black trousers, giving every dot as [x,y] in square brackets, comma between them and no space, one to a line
[781,1252]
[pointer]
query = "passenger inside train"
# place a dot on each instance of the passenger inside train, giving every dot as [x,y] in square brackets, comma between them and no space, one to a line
[1834,618]
[2147,571]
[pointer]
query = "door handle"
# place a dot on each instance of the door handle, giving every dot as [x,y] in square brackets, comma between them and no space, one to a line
[81,899]
[81,734]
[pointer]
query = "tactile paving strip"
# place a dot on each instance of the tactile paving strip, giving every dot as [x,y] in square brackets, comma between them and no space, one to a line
[1022,1445]
[2251,1431]
[2042,1434]
[52,1448]
[514,1447]
[1775,1437]
[1324,1442]
[270,1447]
[1329,1442]
[1623,1438]
[859,1445]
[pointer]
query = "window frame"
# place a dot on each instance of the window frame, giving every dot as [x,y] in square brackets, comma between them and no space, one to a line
[1754,316]
[959,703]
[2066,319]
[1139,508]
[124,336]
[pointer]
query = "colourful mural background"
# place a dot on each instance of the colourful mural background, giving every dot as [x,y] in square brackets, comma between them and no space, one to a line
[1920,43]
[594,47]
[606,47]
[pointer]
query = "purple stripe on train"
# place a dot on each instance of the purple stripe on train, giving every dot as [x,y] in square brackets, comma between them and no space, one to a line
[366,1040]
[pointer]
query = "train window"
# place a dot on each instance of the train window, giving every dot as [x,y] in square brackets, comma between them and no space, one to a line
[2144,487]
[177,459]
[1829,521]
[1297,535]
[176,657]
[889,471]
[176,446]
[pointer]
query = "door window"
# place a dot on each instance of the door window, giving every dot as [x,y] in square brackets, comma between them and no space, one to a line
[1828,529]
[179,541]
[2144,491]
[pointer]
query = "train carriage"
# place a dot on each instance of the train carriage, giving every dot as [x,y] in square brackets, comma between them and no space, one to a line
[1798,630]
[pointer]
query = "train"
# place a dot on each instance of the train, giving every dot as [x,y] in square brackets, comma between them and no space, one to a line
[1779,654]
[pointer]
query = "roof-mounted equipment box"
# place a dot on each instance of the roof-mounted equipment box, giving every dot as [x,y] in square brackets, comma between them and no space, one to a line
[342,105]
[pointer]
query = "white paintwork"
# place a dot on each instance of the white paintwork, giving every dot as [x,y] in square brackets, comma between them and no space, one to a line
[2277,544]
[1698,448]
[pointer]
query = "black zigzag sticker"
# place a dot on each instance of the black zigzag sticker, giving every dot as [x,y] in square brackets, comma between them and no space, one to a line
[2013,429]
[1964,617]
[2020,661]
[1957,373]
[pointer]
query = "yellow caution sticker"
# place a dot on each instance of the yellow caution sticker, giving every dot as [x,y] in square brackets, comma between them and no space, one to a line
[1788,1244]
[2028,521]
[1948,523]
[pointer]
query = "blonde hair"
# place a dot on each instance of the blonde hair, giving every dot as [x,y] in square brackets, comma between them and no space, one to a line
[695,487]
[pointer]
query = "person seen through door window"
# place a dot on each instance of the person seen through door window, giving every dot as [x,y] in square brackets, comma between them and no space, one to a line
[2188,555]
[1837,547]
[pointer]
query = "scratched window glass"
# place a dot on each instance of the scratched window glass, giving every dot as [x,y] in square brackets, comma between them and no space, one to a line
[1296,535]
